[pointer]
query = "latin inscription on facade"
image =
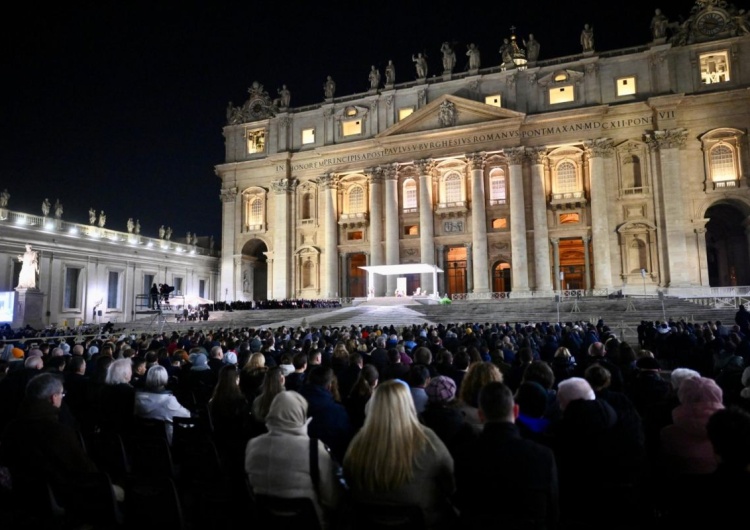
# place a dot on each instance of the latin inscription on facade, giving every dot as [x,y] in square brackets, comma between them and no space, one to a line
[469,140]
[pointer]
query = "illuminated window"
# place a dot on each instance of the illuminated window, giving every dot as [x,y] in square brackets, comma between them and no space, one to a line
[561,94]
[177,284]
[355,236]
[253,209]
[722,163]
[453,188]
[494,100]
[626,86]
[256,141]
[714,67]
[410,194]
[498,187]
[356,200]
[569,218]
[72,289]
[113,290]
[352,127]
[308,136]
[256,211]
[411,230]
[500,223]
[566,181]
[561,77]
[350,112]
[405,112]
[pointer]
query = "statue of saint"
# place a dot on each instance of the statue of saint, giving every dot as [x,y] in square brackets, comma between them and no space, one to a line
[374,77]
[92,216]
[137,228]
[58,209]
[532,48]
[284,97]
[29,269]
[473,54]
[102,219]
[329,87]
[168,233]
[587,38]
[4,198]
[45,207]
[161,232]
[449,57]
[390,73]
[420,63]
[659,25]
[189,238]
[131,225]
[506,52]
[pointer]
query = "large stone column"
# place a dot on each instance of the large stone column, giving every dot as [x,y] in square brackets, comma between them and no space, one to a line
[520,270]
[596,151]
[329,186]
[700,242]
[392,256]
[229,211]
[426,223]
[543,284]
[282,237]
[376,178]
[556,257]
[587,262]
[480,265]
[666,146]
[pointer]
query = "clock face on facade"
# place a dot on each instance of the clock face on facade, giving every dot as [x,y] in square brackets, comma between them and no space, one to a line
[711,23]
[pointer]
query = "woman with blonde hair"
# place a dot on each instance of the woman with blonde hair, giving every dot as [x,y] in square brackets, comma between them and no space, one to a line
[394,459]
[273,383]
[252,374]
[478,375]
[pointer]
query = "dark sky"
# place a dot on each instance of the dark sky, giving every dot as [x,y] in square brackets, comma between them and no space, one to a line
[120,105]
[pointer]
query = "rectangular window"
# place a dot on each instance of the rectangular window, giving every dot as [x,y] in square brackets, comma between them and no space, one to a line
[202,288]
[494,100]
[411,230]
[113,290]
[561,94]
[569,218]
[626,86]
[308,136]
[351,128]
[354,236]
[714,67]
[72,290]
[177,286]
[405,113]
[256,141]
[500,223]
[148,280]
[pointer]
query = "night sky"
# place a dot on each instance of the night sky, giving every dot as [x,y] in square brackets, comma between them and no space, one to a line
[120,106]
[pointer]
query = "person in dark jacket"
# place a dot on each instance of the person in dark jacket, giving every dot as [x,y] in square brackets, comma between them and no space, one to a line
[502,479]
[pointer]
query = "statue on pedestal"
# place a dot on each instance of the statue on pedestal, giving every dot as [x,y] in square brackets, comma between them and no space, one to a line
[449,57]
[532,48]
[4,198]
[659,24]
[137,228]
[587,38]
[58,209]
[45,207]
[29,269]
[374,77]
[473,54]
[168,233]
[161,232]
[329,87]
[131,225]
[102,219]
[420,63]
[390,73]
[92,216]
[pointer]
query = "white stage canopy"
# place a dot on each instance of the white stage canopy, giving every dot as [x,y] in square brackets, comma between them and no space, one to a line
[406,268]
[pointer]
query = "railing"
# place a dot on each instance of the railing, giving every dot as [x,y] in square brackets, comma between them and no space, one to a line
[724,184]
[631,192]
[565,294]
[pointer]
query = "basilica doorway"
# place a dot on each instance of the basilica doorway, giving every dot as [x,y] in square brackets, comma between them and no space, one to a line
[501,278]
[727,247]
[455,270]
[254,275]
[573,264]
[356,284]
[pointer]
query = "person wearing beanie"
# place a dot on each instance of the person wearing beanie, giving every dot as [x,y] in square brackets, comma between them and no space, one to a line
[443,416]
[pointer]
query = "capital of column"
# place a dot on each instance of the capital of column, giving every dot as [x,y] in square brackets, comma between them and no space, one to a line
[228,195]
[390,172]
[476,160]
[599,147]
[536,155]
[284,185]
[666,139]
[329,181]
[515,155]
[375,175]
[555,241]
[424,166]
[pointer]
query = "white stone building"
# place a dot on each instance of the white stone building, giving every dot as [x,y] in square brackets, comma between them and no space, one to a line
[602,171]
[89,273]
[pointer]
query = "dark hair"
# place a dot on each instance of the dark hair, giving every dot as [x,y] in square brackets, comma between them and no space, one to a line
[418,375]
[540,372]
[496,401]
[321,376]
[729,432]
[598,377]
[365,384]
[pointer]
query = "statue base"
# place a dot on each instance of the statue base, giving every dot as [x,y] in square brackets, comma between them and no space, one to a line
[389,86]
[447,75]
[658,41]
[29,308]
[589,53]
[372,91]
[473,71]
[421,80]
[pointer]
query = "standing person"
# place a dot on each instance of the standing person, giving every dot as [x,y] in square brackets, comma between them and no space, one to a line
[522,473]
[155,297]
[395,459]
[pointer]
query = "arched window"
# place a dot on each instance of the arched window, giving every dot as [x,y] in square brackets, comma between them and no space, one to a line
[498,187]
[453,188]
[253,209]
[410,194]
[722,163]
[566,181]
[637,257]
[308,270]
[356,199]
[632,176]
[256,211]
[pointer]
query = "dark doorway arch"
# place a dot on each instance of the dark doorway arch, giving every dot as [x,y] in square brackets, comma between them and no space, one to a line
[501,277]
[255,270]
[727,246]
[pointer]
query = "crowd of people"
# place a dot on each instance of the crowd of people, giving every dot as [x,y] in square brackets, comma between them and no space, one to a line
[295,303]
[475,425]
